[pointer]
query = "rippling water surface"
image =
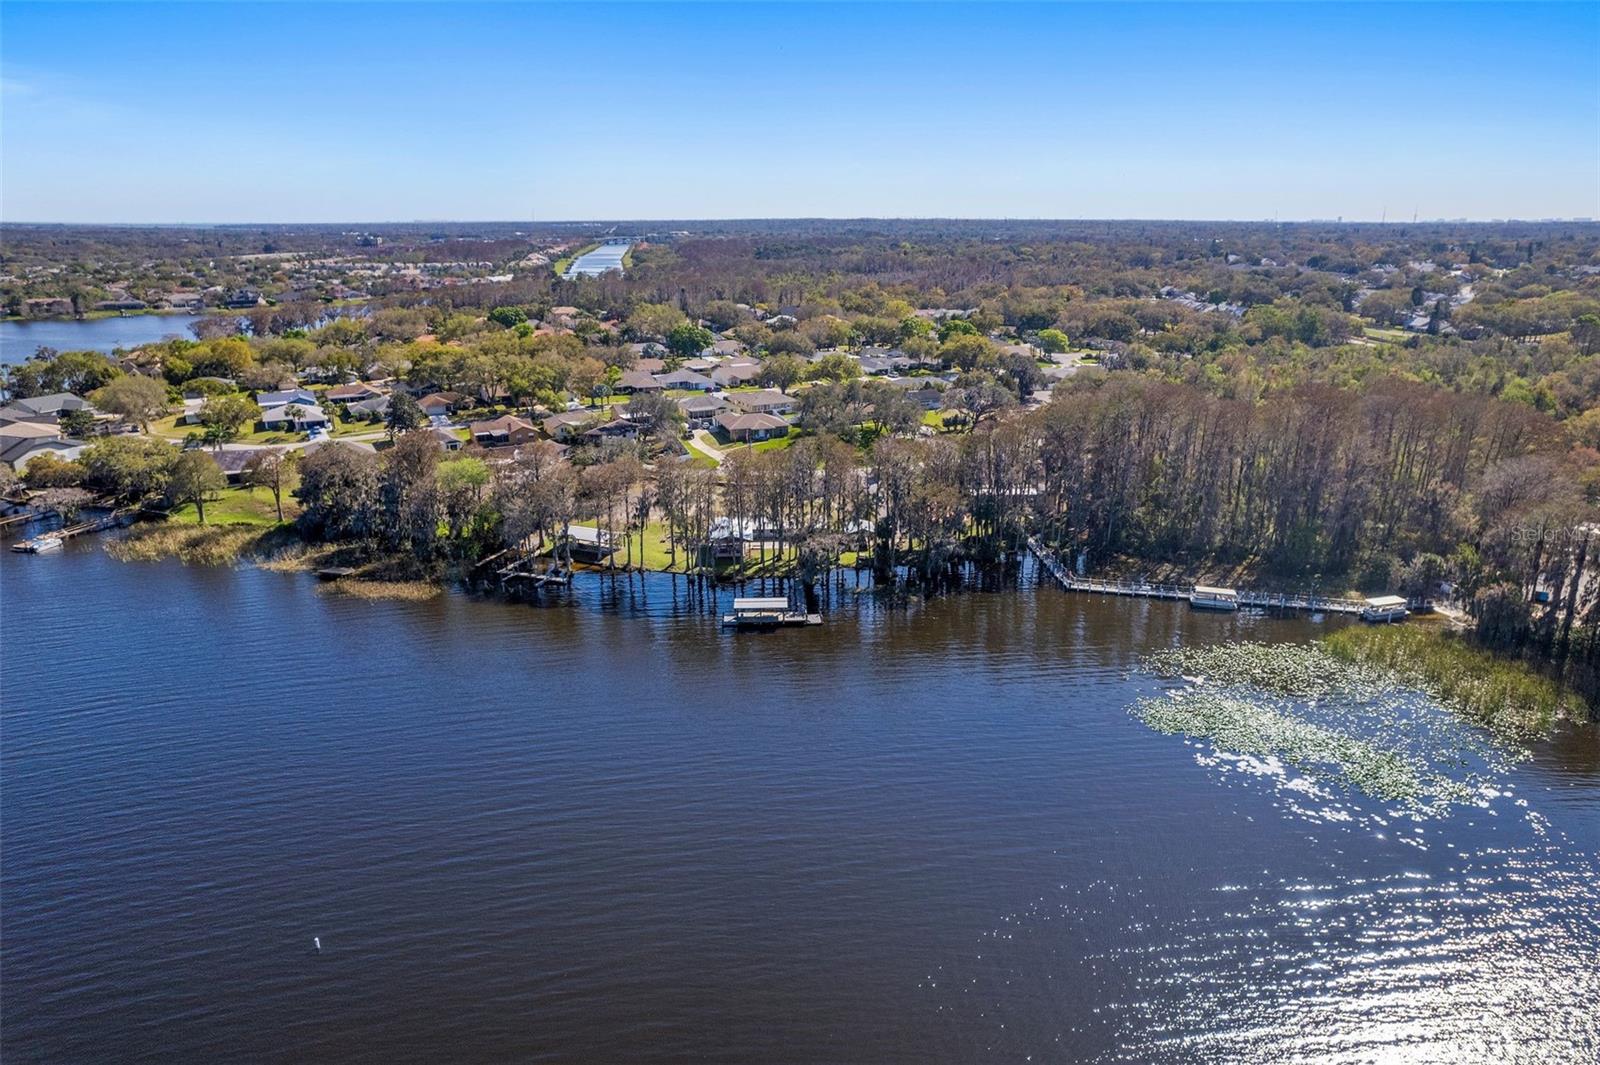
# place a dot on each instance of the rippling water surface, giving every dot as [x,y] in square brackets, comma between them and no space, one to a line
[601,830]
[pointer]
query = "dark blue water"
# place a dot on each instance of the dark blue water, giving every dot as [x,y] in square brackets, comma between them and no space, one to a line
[20,339]
[604,831]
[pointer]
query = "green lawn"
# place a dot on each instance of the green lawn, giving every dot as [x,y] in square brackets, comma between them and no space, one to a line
[781,442]
[238,506]
[1391,335]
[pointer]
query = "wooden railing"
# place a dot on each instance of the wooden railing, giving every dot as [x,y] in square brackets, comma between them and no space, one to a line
[1146,590]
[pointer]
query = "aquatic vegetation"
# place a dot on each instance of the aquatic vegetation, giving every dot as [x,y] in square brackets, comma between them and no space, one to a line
[1260,728]
[201,545]
[1506,697]
[409,591]
[1325,715]
[1299,669]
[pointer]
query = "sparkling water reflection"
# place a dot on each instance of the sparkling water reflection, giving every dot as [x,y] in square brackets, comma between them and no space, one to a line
[601,830]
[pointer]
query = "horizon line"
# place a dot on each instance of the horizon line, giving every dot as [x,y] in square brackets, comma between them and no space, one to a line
[617,219]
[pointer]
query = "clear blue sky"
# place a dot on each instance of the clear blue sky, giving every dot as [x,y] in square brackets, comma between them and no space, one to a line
[372,112]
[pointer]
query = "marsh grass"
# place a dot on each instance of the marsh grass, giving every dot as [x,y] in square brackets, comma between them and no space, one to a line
[407,591]
[195,545]
[1506,697]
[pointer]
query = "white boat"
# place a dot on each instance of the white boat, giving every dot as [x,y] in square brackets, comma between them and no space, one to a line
[1208,597]
[39,545]
[1381,608]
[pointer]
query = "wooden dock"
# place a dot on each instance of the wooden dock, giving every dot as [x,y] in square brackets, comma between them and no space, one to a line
[52,540]
[1317,604]
[525,571]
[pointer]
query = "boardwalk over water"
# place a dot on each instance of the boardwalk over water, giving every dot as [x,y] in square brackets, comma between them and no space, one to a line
[1145,590]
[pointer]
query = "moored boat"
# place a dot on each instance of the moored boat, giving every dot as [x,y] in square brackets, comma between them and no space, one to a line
[1209,597]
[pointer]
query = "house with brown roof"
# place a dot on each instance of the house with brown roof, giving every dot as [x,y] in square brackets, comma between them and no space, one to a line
[505,431]
[352,393]
[746,427]
[736,374]
[440,404]
[638,381]
[766,401]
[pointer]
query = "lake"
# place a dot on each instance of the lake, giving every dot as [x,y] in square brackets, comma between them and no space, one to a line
[20,339]
[607,256]
[600,830]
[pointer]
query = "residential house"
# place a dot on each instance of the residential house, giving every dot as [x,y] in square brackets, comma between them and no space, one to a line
[619,428]
[18,438]
[569,424]
[745,427]
[685,380]
[352,393]
[66,449]
[505,431]
[295,416]
[46,408]
[448,440]
[649,365]
[766,401]
[377,406]
[701,411]
[736,374]
[442,404]
[303,397]
[233,461]
[638,381]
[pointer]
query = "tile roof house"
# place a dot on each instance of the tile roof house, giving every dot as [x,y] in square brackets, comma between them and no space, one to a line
[66,449]
[504,431]
[302,396]
[699,411]
[293,416]
[748,427]
[438,404]
[18,438]
[766,401]
[378,405]
[685,379]
[735,374]
[353,393]
[638,381]
[53,405]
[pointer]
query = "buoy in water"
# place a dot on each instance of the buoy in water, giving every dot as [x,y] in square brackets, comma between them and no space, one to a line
[316,941]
